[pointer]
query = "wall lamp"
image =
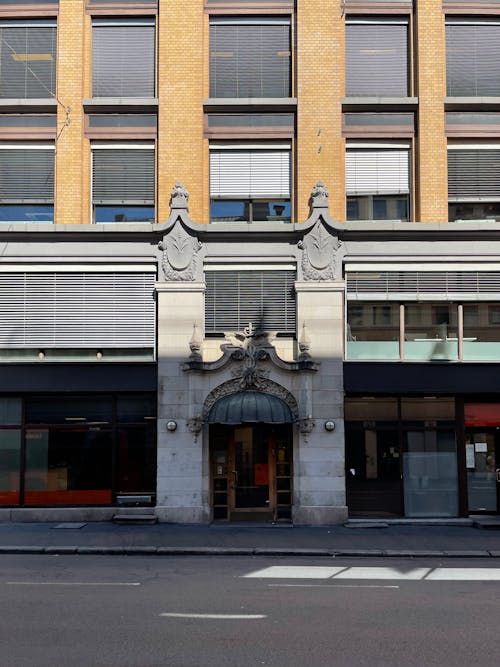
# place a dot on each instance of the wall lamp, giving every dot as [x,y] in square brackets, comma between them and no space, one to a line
[171,425]
[329,425]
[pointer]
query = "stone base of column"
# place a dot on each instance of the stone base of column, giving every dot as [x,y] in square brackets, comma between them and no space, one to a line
[319,515]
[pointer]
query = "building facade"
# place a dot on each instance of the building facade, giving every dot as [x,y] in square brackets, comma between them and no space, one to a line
[250,259]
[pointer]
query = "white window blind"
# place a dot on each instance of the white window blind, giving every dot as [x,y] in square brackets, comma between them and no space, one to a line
[253,173]
[377,171]
[77,310]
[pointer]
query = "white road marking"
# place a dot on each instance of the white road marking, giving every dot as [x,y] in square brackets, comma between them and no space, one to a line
[377,573]
[229,617]
[72,583]
[294,572]
[464,574]
[334,585]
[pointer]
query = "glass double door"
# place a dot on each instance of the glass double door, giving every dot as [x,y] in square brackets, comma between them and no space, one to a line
[251,472]
[482,460]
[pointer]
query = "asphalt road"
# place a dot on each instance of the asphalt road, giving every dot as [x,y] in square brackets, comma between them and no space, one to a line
[216,611]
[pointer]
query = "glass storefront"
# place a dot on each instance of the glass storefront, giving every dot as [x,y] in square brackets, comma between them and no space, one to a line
[76,450]
[401,457]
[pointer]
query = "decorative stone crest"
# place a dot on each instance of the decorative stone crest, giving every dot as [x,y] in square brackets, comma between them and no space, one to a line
[250,344]
[179,197]
[180,254]
[320,250]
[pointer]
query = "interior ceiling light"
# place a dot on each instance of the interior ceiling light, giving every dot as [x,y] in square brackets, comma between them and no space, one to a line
[75,419]
[31,57]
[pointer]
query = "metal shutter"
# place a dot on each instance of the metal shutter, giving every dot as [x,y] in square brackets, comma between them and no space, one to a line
[235,298]
[377,172]
[27,60]
[414,285]
[250,173]
[123,59]
[123,175]
[77,310]
[27,175]
[474,174]
[377,59]
[472,59]
[250,58]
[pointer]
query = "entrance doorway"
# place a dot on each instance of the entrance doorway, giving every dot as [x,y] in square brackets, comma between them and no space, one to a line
[482,456]
[251,468]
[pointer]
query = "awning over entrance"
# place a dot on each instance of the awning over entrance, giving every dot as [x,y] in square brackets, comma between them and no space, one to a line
[252,407]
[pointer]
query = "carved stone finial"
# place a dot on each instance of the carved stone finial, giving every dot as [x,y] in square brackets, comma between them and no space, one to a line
[195,344]
[304,345]
[319,196]
[179,197]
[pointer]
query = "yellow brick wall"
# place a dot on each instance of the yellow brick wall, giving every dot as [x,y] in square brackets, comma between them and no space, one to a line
[431,196]
[72,167]
[181,52]
[320,87]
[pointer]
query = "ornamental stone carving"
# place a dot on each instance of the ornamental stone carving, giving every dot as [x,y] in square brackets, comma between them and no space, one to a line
[319,196]
[180,254]
[179,197]
[250,349]
[320,254]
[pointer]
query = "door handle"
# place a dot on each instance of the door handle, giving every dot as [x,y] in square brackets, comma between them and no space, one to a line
[497,471]
[235,473]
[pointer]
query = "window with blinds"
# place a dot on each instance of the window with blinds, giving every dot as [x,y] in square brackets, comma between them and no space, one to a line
[236,297]
[474,181]
[123,182]
[472,58]
[26,183]
[377,58]
[123,58]
[250,57]
[250,182]
[378,181]
[27,59]
[77,310]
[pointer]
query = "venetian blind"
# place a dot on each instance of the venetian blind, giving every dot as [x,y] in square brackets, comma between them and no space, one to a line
[472,58]
[27,175]
[377,172]
[123,175]
[254,173]
[474,174]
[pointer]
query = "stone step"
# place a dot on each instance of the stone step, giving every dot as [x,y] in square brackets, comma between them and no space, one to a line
[128,518]
[487,524]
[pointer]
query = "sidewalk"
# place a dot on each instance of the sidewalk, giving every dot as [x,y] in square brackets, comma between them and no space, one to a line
[223,539]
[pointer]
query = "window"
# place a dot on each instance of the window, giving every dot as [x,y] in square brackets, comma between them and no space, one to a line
[472,58]
[123,182]
[236,297]
[474,181]
[27,59]
[377,58]
[123,58]
[250,183]
[250,57]
[26,182]
[378,181]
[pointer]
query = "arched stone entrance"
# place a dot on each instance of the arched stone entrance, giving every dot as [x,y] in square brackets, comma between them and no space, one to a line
[251,455]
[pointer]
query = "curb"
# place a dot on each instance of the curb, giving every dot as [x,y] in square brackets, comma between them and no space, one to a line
[245,551]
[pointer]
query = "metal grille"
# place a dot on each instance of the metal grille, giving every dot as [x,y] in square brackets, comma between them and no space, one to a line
[235,298]
[77,310]
[413,284]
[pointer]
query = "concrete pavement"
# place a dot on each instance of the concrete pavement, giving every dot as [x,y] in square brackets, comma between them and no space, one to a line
[387,540]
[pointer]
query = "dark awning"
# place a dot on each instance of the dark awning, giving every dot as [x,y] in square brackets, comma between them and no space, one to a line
[251,407]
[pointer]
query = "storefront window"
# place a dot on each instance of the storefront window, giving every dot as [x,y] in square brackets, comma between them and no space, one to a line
[481,331]
[431,331]
[372,331]
[10,457]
